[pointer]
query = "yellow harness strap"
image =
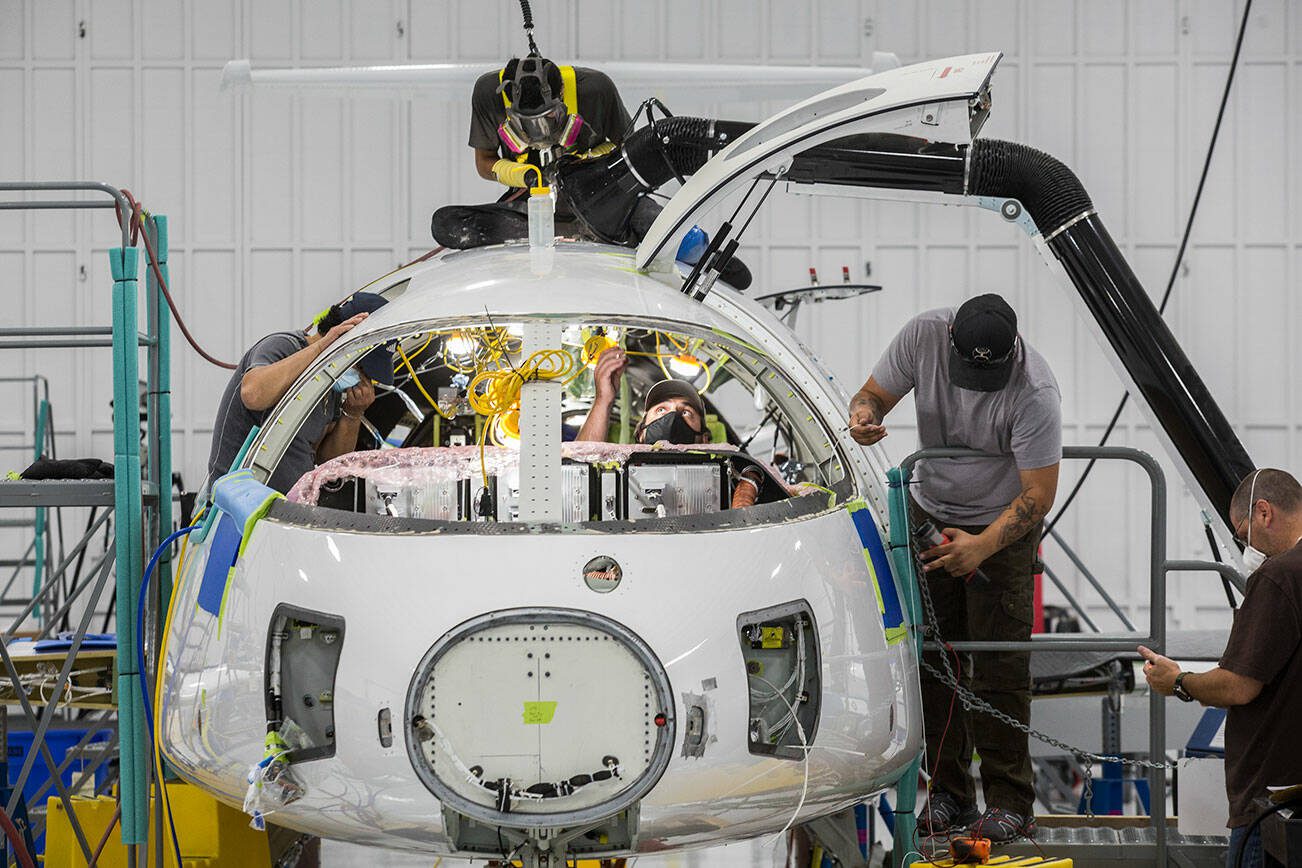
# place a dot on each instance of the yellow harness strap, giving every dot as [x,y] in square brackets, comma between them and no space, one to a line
[569,90]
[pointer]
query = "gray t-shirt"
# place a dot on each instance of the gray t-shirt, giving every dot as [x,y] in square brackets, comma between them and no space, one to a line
[234,420]
[1022,421]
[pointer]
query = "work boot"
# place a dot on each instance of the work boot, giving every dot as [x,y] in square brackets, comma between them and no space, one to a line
[1002,826]
[943,811]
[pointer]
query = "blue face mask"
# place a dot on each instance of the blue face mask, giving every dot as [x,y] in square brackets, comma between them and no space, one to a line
[347,380]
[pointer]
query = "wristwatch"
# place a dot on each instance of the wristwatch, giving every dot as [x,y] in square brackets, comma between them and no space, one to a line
[1178,689]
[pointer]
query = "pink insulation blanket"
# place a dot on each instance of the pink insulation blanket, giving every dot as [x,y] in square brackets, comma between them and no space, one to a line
[419,465]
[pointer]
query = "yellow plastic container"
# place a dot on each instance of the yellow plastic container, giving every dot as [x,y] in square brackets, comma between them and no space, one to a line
[210,833]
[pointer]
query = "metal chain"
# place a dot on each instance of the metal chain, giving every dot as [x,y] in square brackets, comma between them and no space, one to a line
[1087,786]
[972,702]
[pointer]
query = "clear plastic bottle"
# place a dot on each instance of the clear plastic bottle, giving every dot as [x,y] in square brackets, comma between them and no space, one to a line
[542,207]
[542,230]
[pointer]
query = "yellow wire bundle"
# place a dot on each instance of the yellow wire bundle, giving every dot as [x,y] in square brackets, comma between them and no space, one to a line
[494,392]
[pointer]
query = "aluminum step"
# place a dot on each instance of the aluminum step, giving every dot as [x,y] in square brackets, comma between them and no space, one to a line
[1101,845]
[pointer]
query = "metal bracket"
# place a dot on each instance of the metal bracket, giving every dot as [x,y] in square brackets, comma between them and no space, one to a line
[1011,210]
[540,433]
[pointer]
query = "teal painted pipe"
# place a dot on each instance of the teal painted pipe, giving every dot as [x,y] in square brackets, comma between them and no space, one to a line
[164,410]
[128,529]
[906,788]
[38,556]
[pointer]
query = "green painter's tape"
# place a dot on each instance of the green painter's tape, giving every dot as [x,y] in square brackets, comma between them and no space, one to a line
[539,713]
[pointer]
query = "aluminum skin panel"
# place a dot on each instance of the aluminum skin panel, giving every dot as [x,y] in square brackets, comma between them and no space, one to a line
[397,594]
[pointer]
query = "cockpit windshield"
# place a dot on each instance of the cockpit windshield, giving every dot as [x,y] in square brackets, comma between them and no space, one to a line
[657,420]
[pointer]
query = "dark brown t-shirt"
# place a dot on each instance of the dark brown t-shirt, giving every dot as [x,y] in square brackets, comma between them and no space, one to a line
[1266,644]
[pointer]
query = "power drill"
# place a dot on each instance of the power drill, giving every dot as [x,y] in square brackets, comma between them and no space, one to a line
[926,536]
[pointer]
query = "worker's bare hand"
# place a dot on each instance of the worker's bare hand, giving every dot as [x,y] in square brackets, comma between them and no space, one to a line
[342,329]
[867,435]
[609,372]
[359,397]
[865,427]
[1159,671]
[960,556]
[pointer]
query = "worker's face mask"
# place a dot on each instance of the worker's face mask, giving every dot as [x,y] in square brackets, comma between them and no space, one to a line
[1253,558]
[671,427]
[553,126]
[347,380]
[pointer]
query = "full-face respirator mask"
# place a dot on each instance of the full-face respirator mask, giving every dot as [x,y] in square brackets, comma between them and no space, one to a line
[542,121]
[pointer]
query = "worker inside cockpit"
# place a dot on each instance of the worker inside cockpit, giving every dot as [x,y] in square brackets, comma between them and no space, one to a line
[673,410]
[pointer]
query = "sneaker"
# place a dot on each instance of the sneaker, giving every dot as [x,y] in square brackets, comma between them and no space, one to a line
[1002,826]
[943,811]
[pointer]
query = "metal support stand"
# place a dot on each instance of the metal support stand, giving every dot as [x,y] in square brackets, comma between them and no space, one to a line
[1159,567]
[906,788]
[137,498]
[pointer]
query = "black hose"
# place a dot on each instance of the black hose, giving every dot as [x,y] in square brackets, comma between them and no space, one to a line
[1257,821]
[678,146]
[1179,256]
[1048,190]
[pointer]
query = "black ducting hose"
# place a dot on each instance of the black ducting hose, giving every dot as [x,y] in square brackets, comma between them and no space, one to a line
[1048,190]
[605,192]
[678,146]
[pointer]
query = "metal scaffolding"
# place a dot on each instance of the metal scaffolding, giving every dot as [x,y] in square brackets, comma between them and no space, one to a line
[1155,846]
[136,501]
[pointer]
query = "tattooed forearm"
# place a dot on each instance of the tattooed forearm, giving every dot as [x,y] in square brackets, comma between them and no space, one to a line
[1024,514]
[870,402]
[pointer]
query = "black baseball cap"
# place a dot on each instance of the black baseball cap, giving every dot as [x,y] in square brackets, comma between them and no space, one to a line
[982,344]
[667,390]
[378,363]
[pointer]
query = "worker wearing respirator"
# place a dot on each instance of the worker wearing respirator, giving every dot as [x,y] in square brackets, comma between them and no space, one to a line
[524,117]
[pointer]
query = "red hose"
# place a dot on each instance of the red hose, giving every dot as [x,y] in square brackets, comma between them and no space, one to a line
[137,219]
[16,841]
[103,842]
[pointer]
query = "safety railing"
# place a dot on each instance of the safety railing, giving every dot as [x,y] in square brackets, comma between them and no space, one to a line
[137,498]
[1159,567]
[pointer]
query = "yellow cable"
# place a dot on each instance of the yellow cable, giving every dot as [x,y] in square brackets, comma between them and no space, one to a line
[660,360]
[492,392]
[495,391]
[415,379]
[418,351]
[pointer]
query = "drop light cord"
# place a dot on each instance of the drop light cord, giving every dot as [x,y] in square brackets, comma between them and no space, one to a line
[146,696]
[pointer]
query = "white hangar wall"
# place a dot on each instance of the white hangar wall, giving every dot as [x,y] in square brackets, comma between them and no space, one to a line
[281,204]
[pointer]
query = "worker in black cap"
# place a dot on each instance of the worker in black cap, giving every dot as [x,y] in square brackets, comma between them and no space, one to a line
[976,384]
[673,411]
[271,366]
[525,117]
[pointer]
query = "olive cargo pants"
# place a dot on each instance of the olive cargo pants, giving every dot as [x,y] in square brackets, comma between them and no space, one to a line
[1000,610]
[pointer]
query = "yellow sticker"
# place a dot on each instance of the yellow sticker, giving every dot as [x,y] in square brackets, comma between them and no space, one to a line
[771,637]
[538,713]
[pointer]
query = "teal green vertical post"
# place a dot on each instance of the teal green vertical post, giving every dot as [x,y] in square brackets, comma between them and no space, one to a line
[38,553]
[163,409]
[128,529]
[906,788]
